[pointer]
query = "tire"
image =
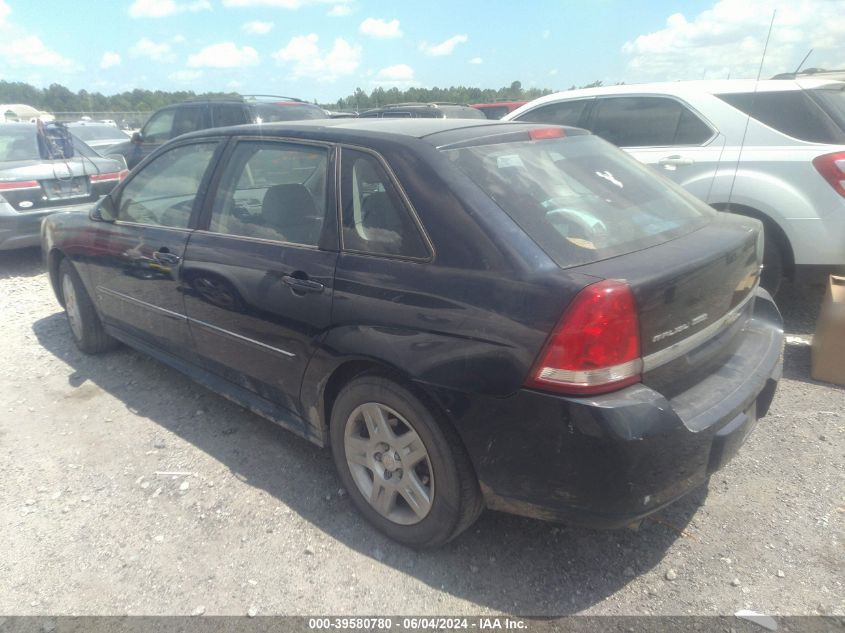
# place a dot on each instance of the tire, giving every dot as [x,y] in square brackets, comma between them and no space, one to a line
[423,501]
[85,326]
[773,267]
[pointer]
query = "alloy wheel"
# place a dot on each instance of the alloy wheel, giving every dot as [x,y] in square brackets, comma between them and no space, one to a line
[389,463]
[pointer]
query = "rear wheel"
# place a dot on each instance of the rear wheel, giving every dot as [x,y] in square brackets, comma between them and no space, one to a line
[85,326]
[405,472]
[773,266]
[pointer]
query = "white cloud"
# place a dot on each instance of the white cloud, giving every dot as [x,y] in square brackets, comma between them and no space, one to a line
[29,50]
[728,39]
[156,51]
[109,59]
[279,4]
[224,55]
[20,49]
[546,34]
[164,8]
[476,60]
[443,48]
[257,27]
[380,29]
[304,56]
[339,11]
[398,75]
[185,76]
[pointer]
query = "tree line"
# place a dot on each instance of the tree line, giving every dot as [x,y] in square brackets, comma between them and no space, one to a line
[58,98]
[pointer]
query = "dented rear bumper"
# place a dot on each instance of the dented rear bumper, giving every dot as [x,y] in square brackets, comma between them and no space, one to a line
[610,460]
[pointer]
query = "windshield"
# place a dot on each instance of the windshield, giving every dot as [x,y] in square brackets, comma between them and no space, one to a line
[18,142]
[580,198]
[97,132]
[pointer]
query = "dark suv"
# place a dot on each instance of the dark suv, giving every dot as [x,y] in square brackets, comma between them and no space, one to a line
[199,114]
[423,111]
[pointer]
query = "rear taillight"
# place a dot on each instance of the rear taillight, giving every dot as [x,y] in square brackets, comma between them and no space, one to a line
[832,169]
[113,176]
[19,184]
[595,347]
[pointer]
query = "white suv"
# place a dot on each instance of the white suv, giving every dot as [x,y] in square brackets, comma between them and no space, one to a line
[789,172]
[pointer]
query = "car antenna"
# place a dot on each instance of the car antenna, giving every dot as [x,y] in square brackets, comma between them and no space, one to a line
[797,70]
[751,110]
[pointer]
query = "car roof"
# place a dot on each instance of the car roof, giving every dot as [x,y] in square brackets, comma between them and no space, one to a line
[718,86]
[434,131]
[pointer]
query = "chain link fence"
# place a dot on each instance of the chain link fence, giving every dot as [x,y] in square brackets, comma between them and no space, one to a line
[124,120]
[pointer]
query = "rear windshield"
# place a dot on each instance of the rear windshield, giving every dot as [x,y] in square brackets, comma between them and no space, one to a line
[580,198]
[18,142]
[805,115]
[273,112]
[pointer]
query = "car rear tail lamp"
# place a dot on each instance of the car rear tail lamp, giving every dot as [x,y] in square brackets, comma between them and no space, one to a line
[541,133]
[595,348]
[832,169]
[19,184]
[115,176]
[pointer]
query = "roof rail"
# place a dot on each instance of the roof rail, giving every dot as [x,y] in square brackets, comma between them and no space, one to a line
[231,97]
[274,97]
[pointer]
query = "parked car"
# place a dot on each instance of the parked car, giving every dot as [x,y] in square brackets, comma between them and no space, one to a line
[202,113]
[469,313]
[772,150]
[97,135]
[497,109]
[42,171]
[423,111]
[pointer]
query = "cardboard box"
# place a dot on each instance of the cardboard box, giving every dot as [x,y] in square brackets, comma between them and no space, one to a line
[829,340]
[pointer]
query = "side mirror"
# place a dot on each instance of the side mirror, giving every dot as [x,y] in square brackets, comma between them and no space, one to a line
[137,138]
[104,210]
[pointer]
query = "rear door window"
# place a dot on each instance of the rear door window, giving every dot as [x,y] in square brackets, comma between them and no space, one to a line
[189,119]
[562,113]
[225,114]
[790,112]
[579,198]
[647,122]
[374,217]
[273,191]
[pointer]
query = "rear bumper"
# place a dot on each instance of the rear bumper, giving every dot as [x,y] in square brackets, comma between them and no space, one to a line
[23,230]
[610,460]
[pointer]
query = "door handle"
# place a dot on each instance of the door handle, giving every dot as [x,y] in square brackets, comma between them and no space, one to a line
[165,257]
[675,161]
[302,284]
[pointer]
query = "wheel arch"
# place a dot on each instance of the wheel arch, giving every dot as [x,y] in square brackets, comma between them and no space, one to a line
[771,226]
[54,260]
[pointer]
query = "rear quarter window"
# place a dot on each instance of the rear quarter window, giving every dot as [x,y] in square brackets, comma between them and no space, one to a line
[790,112]
[580,199]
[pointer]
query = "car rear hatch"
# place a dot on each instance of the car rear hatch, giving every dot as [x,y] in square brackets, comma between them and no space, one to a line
[685,275]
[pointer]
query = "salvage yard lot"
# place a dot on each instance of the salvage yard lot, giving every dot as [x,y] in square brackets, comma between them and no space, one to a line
[128,489]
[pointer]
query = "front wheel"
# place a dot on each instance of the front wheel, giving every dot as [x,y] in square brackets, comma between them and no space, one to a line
[85,326]
[407,473]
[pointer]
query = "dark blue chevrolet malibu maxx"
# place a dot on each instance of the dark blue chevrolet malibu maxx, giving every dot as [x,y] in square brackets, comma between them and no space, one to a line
[470,314]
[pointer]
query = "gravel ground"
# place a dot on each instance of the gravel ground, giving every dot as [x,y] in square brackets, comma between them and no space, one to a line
[252,520]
